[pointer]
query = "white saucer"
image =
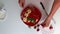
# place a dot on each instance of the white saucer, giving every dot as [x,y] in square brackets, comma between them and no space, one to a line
[2,15]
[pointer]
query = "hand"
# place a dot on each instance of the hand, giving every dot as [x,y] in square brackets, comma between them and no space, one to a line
[45,23]
[21,3]
[55,6]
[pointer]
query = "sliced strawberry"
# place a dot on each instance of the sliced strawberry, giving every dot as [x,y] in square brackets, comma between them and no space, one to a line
[51,27]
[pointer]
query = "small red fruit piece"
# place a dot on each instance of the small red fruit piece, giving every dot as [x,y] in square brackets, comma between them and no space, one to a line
[34,27]
[50,27]
[38,29]
[38,25]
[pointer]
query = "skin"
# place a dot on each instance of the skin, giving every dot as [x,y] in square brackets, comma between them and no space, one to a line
[55,6]
[21,3]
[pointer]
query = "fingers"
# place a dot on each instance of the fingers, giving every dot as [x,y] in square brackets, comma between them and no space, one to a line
[21,3]
[45,24]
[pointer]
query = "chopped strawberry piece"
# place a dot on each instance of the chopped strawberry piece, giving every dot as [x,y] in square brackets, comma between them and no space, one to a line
[34,27]
[50,27]
[38,29]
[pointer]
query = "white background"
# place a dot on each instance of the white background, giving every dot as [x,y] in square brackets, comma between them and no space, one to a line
[13,24]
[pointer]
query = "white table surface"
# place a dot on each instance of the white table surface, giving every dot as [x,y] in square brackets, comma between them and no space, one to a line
[13,23]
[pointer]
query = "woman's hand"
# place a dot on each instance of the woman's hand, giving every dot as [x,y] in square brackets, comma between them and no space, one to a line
[45,23]
[55,6]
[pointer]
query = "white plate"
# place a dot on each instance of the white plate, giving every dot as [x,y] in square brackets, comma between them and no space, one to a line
[2,15]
